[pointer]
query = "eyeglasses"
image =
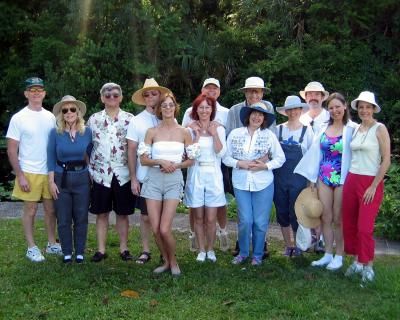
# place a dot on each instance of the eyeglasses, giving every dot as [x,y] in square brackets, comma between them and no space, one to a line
[65,110]
[114,95]
[148,93]
[34,90]
[205,108]
[167,105]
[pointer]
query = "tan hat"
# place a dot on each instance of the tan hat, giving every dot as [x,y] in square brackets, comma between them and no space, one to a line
[69,99]
[314,86]
[149,84]
[308,208]
[254,83]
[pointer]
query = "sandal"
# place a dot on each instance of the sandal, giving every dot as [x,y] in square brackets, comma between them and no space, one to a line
[144,257]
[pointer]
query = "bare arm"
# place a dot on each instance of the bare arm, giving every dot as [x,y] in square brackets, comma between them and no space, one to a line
[384,148]
[52,186]
[132,160]
[12,152]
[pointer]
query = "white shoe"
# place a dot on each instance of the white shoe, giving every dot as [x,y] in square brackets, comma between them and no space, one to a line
[368,274]
[201,257]
[192,241]
[211,256]
[325,260]
[335,264]
[354,269]
[34,254]
[223,240]
[54,249]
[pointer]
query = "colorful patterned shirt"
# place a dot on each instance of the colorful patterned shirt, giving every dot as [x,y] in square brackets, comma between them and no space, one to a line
[110,148]
[330,166]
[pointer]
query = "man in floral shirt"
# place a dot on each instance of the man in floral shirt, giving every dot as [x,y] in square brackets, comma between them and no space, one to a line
[109,170]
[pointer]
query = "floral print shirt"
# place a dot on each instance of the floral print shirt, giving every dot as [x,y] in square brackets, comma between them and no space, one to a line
[330,167]
[110,148]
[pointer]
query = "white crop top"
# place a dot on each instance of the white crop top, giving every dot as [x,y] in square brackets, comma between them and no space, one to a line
[168,150]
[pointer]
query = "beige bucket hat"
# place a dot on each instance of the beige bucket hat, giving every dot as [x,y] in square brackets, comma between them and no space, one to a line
[69,99]
[149,84]
[308,208]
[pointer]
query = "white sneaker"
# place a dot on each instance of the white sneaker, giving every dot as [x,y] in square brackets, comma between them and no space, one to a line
[201,257]
[192,241]
[211,256]
[368,274]
[325,260]
[223,240]
[354,269]
[54,249]
[34,254]
[335,264]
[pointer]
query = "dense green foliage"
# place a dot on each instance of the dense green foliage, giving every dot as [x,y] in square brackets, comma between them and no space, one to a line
[76,46]
[281,288]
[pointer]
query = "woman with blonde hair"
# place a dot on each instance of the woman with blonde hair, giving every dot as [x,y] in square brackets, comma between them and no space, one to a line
[69,181]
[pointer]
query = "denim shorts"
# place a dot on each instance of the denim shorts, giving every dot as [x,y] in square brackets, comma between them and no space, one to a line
[162,186]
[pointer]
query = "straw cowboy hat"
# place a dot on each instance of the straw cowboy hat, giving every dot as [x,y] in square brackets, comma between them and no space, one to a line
[149,84]
[308,208]
[366,96]
[259,106]
[254,83]
[69,99]
[292,102]
[314,86]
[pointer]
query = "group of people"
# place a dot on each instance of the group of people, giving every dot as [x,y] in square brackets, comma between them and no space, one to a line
[119,162]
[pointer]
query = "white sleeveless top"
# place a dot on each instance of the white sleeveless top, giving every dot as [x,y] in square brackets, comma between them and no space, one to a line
[366,157]
[168,150]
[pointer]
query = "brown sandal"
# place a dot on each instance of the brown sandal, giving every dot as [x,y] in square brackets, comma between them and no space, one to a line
[144,257]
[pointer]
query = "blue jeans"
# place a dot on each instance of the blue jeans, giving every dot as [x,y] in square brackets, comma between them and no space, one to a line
[254,208]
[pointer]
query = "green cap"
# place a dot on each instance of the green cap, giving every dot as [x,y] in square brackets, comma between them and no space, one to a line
[34,81]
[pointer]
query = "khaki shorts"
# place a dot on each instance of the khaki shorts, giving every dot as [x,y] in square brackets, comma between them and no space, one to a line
[162,186]
[38,184]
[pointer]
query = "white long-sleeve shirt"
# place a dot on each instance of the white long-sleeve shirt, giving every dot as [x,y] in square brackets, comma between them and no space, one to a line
[242,146]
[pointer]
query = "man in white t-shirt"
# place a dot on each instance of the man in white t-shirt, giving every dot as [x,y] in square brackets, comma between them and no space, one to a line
[212,88]
[149,96]
[314,94]
[27,136]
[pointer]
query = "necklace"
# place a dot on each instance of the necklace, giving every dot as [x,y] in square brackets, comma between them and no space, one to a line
[204,129]
[364,134]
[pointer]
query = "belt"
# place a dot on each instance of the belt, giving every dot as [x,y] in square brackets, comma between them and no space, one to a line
[74,165]
[206,163]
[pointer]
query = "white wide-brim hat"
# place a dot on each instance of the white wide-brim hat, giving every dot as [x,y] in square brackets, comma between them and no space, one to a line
[308,208]
[149,84]
[66,100]
[292,102]
[314,86]
[254,83]
[366,96]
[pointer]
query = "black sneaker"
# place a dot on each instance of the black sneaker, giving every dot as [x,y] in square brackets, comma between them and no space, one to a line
[126,256]
[266,252]
[236,251]
[98,256]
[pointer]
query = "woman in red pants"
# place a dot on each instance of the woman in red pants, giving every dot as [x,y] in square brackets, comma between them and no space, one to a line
[363,189]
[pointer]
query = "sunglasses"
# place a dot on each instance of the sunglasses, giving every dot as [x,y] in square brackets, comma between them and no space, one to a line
[148,93]
[34,90]
[114,95]
[65,110]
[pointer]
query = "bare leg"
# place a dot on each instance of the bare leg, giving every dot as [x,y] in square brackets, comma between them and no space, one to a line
[191,219]
[145,229]
[337,220]
[154,208]
[325,194]
[50,220]
[28,219]
[221,216]
[122,226]
[168,213]
[211,219]
[101,230]
[198,214]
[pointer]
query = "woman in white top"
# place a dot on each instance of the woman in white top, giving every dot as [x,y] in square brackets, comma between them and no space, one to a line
[363,189]
[204,190]
[328,162]
[253,151]
[163,150]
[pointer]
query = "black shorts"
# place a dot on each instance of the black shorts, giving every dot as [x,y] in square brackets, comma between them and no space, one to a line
[117,198]
[226,176]
[141,203]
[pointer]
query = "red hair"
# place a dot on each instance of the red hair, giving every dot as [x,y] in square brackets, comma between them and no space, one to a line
[195,105]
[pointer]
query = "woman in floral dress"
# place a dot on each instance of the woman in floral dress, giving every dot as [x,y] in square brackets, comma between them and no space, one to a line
[326,164]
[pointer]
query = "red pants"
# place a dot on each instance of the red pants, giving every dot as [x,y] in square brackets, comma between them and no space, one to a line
[359,218]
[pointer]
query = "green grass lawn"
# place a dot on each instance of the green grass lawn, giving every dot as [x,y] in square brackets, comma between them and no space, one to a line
[279,289]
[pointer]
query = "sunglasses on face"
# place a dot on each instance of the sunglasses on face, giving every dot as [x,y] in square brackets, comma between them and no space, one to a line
[65,110]
[109,95]
[148,93]
[34,90]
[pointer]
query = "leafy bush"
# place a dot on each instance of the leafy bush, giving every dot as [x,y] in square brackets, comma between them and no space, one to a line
[388,220]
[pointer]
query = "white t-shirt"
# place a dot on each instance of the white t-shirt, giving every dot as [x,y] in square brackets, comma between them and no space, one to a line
[137,129]
[292,137]
[32,129]
[221,115]
[319,121]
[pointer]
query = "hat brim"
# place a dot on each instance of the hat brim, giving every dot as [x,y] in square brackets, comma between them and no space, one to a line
[282,110]
[57,107]
[302,198]
[353,105]
[137,96]
[303,94]
[245,111]
[251,87]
